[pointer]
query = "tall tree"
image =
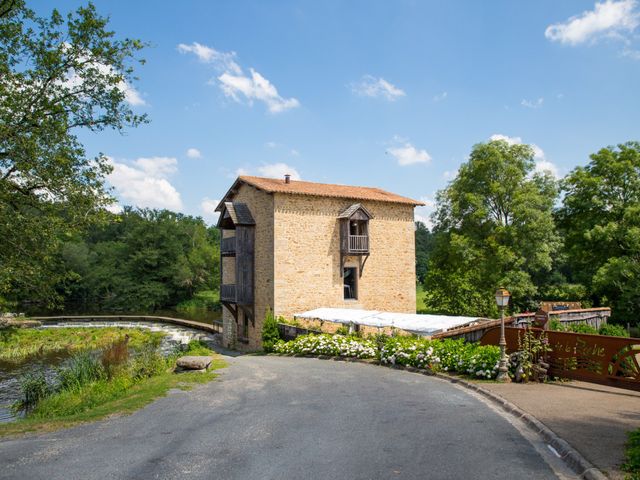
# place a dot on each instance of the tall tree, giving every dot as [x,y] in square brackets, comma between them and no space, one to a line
[140,261]
[600,218]
[494,227]
[424,245]
[58,76]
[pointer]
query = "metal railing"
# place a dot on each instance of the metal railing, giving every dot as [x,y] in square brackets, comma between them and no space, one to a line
[358,243]
[228,293]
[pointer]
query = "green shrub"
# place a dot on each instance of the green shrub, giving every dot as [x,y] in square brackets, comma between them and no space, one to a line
[632,455]
[445,355]
[325,344]
[342,330]
[438,355]
[270,332]
[147,363]
[82,369]
[612,330]
[33,387]
[582,328]
[572,327]
[197,347]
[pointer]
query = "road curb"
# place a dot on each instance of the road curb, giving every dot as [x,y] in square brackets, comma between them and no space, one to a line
[567,453]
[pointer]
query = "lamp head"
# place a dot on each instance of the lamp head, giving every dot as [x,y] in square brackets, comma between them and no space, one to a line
[502,297]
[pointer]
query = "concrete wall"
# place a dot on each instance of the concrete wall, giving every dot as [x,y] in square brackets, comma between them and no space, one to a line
[307,256]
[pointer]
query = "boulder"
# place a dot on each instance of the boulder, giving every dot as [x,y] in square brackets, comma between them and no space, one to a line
[192,362]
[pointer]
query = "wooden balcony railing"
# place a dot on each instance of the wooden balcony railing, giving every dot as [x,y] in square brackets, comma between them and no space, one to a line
[358,243]
[228,246]
[228,293]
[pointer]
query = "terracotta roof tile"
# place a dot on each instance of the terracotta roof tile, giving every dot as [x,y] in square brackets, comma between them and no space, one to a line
[298,187]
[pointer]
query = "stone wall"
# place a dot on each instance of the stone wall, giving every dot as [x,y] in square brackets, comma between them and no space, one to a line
[307,256]
[261,206]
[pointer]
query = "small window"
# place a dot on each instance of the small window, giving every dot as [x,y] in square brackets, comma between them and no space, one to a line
[350,277]
[243,327]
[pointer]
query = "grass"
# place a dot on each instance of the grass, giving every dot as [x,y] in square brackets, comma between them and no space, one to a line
[420,298]
[206,299]
[17,344]
[120,395]
[632,456]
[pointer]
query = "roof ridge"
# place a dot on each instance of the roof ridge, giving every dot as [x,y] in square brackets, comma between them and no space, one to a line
[276,185]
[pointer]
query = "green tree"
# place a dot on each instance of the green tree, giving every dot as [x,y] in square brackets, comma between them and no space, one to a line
[600,218]
[493,227]
[141,260]
[58,76]
[424,245]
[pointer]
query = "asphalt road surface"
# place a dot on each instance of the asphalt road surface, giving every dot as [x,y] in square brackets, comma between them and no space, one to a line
[291,418]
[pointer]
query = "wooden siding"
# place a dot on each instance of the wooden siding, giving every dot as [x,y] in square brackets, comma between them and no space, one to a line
[228,246]
[244,264]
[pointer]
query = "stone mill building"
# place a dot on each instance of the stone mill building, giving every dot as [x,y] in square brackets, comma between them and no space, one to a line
[292,246]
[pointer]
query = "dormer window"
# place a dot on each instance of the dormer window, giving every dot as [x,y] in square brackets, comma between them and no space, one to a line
[354,242]
[354,230]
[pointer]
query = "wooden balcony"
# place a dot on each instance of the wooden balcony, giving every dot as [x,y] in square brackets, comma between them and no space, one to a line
[358,244]
[228,246]
[228,293]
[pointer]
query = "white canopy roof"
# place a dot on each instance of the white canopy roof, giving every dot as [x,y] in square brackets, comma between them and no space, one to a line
[412,322]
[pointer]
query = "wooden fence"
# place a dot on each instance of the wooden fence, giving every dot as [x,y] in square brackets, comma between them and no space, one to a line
[613,361]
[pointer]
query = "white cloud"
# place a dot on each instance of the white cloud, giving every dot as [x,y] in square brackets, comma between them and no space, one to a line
[131,95]
[193,153]
[542,163]
[608,19]
[278,170]
[532,103]
[144,182]
[450,174]
[440,97]
[271,144]
[208,208]
[406,154]
[423,213]
[271,170]
[370,86]
[630,53]
[255,88]
[114,208]
[225,61]
[235,84]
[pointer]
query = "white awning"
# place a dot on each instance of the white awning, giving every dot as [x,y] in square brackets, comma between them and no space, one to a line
[411,322]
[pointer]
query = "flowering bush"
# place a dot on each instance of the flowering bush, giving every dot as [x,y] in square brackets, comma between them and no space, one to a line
[442,355]
[334,345]
[437,355]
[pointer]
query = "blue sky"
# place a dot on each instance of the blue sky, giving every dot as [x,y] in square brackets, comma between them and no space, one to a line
[374,93]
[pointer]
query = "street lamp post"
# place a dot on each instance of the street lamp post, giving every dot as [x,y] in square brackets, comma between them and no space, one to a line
[502,299]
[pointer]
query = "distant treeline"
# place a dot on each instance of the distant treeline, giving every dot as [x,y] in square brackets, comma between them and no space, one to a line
[504,222]
[137,260]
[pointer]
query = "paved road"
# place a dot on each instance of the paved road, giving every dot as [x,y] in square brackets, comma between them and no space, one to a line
[290,418]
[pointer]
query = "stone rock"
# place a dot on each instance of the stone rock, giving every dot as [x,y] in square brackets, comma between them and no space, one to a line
[192,362]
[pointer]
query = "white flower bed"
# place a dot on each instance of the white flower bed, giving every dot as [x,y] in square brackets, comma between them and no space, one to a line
[334,345]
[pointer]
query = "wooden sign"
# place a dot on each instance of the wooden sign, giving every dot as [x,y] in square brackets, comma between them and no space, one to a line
[613,361]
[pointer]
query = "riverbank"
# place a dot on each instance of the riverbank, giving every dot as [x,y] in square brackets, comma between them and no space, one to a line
[18,344]
[135,385]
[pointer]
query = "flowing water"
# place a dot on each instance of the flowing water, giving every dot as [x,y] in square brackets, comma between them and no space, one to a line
[10,372]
